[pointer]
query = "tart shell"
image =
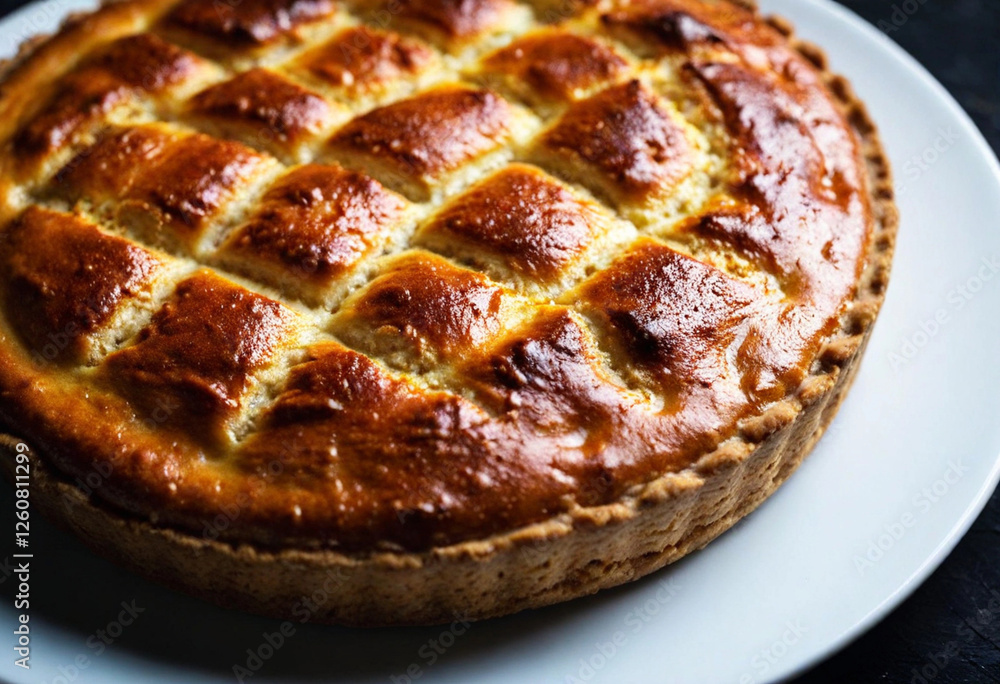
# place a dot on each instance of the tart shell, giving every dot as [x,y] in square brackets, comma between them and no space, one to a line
[574,554]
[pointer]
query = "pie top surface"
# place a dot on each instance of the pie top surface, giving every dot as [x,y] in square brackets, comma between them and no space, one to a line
[401,276]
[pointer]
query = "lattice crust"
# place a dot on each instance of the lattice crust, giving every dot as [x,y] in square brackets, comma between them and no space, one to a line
[552,66]
[316,227]
[267,111]
[72,290]
[362,66]
[233,32]
[430,269]
[114,78]
[203,353]
[523,226]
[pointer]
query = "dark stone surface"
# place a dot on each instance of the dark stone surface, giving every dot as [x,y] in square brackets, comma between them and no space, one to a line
[948,632]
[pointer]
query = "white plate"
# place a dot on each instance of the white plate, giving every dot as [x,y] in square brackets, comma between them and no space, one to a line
[905,469]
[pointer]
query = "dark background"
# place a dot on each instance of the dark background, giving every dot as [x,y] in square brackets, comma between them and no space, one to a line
[947,632]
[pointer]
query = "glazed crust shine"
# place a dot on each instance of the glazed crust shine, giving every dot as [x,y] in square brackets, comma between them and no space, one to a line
[595,308]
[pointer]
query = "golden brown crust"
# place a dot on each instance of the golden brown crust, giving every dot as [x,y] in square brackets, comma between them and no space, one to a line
[449,23]
[125,68]
[108,169]
[527,394]
[431,306]
[312,227]
[425,137]
[171,183]
[265,110]
[247,23]
[200,353]
[457,18]
[520,216]
[362,60]
[681,321]
[556,65]
[42,59]
[626,141]
[64,279]
[690,26]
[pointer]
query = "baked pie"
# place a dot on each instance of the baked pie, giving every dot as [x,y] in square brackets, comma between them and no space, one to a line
[446,306]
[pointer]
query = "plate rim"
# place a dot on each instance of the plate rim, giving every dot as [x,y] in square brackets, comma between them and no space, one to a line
[989,487]
[60,9]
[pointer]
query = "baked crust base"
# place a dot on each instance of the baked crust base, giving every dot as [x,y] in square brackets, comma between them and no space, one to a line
[576,554]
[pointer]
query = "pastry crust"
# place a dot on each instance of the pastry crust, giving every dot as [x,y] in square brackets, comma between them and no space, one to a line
[589,545]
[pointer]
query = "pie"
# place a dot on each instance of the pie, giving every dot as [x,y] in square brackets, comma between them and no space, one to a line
[434,307]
